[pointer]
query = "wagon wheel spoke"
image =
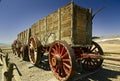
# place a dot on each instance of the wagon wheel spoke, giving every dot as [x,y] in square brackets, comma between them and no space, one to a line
[56,47]
[64,55]
[59,49]
[93,49]
[62,72]
[56,69]
[90,47]
[54,50]
[65,70]
[93,63]
[52,53]
[67,65]
[67,60]
[61,60]
[62,51]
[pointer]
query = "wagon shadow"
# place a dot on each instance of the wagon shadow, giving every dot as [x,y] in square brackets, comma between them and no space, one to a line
[44,64]
[102,75]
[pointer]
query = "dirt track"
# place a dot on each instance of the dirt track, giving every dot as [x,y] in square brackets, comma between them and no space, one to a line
[43,73]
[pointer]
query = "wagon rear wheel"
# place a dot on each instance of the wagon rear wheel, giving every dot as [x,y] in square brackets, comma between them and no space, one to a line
[35,53]
[90,64]
[61,60]
[18,46]
[14,47]
[24,52]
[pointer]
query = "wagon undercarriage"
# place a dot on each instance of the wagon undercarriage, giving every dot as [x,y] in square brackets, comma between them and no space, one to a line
[65,60]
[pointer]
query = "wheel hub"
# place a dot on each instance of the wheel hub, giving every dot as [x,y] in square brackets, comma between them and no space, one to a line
[56,60]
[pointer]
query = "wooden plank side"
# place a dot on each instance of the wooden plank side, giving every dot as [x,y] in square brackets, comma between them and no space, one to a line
[19,36]
[52,28]
[89,27]
[35,30]
[66,28]
[57,26]
[26,34]
[43,31]
[81,30]
[23,41]
[22,37]
[49,24]
[66,14]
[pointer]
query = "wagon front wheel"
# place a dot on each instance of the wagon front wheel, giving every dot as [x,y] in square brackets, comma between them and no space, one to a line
[93,63]
[61,60]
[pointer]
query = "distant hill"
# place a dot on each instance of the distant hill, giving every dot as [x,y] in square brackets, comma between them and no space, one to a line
[3,44]
[110,36]
[115,40]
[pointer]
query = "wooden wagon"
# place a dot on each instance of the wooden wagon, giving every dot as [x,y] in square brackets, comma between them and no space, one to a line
[66,35]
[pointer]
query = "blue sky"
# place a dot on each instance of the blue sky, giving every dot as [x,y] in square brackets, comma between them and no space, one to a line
[18,15]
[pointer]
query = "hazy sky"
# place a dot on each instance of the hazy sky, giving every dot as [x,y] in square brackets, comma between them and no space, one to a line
[17,15]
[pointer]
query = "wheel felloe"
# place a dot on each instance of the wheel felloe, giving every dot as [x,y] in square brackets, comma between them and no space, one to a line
[61,59]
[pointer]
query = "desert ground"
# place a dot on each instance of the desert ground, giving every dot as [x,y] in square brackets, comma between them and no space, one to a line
[110,70]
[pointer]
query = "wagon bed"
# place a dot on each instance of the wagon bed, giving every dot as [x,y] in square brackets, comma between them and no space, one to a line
[71,23]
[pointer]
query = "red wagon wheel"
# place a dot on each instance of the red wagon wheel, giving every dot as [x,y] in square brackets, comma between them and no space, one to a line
[35,54]
[61,60]
[90,64]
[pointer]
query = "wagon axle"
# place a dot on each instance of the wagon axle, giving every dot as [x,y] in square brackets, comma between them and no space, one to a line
[56,60]
[92,56]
